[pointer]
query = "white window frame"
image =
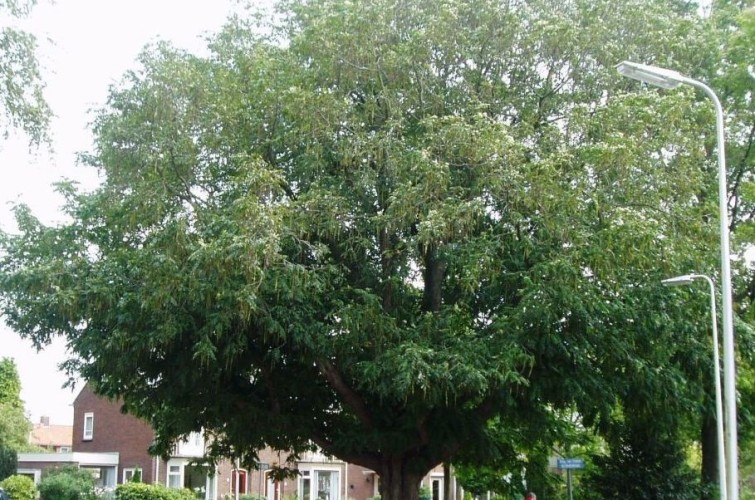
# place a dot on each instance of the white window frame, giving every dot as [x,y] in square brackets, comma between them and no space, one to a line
[435,479]
[305,476]
[179,474]
[129,473]
[312,474]
[36,473]
[88,430]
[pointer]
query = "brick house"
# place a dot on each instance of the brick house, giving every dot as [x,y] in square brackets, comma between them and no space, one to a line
[114,445]
[100,427]
[53,438]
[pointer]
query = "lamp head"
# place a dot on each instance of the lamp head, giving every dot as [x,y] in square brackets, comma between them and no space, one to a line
[685,279]
[660,77]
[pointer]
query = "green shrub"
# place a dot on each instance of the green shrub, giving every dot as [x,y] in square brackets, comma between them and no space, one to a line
[8,461]
[67,483]
[141,491]
[19,487]
[137,477]
[184,494]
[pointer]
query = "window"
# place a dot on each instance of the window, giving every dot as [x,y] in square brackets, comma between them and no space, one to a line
[319,485]
[174,477]
[306,486]
[437,488]
[128,474]
[104,477]
[182,473]
[33,474]
[64,449]
[327,485]
[88,426]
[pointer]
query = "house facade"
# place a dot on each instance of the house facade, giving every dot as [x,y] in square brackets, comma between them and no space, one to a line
[99,427]
[114,445]
[53,438]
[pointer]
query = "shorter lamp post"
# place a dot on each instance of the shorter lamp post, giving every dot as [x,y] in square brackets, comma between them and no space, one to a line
[686,280]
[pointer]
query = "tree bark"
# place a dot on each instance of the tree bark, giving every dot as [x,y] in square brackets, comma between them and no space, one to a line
[397,482]
[709,467]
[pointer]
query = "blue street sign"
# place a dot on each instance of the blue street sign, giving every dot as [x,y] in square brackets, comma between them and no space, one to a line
[570,463]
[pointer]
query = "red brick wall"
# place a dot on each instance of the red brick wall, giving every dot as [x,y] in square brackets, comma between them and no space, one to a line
[360,482]
[113,431]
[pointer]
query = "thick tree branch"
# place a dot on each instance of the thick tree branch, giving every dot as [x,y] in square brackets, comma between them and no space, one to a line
[352,399]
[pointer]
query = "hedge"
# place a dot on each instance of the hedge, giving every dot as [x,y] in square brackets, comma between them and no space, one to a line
[141,491]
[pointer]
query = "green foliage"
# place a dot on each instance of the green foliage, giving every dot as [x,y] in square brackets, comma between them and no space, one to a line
[643,464]
[380,226]
[67,483]
[137,476]
[10,384]
[8,462]
[14,426]
[22,103]
[19,487]
[141,491]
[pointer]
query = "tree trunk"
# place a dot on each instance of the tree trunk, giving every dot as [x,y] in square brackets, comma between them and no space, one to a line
[397,482]
[709,445]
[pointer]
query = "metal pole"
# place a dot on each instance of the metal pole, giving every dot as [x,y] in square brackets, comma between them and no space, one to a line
[568,483]
[717,375]
[668,79]
[732,459]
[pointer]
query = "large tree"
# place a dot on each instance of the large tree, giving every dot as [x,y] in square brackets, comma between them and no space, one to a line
[375,227]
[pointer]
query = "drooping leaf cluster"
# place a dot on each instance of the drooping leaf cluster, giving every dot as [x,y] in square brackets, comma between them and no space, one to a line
[22,103]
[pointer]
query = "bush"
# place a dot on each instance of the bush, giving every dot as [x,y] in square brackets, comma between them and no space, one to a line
[137,477]
[8,461]
[141,491]
[67,483]
[19,487]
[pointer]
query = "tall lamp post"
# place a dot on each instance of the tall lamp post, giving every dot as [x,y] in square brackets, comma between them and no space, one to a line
[686,280]
[669,79]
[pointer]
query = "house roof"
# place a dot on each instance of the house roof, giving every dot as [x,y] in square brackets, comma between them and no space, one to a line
[51,435]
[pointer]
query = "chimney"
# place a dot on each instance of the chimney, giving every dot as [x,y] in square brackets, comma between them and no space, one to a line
[44,420]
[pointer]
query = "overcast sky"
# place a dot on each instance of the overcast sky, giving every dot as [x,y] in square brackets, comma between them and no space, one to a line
[85,45]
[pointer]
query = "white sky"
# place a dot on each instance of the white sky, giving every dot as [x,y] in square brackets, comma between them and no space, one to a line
[85,45]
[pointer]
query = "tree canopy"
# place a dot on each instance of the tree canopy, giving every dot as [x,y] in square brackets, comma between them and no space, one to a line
[377,227]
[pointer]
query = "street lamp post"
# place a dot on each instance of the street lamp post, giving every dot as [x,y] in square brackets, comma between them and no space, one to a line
[669,79]
[686,280]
